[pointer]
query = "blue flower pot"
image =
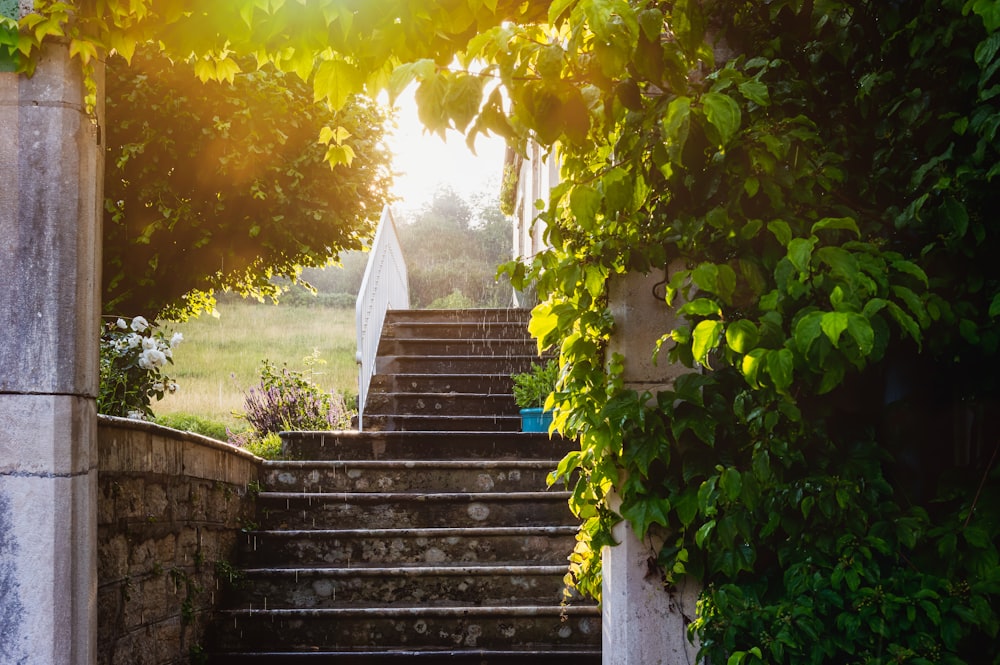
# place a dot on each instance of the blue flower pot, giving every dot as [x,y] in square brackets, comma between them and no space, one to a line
[535,420]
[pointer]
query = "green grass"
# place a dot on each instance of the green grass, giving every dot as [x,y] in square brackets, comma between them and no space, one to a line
[220,357]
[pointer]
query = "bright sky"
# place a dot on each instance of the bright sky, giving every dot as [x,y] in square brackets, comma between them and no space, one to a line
[423,162]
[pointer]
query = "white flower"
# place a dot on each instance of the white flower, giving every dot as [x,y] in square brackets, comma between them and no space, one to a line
[139,324]
[176,339]
[148,343]
[157,387]
[134,340]
[172,386]
[121,324]
[167,352]
[151,359]
[136,415]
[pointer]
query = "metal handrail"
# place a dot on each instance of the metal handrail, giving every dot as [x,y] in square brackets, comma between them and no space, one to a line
[384,287]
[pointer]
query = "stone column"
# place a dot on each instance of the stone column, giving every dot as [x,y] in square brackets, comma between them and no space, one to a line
[643,621]
[50,202]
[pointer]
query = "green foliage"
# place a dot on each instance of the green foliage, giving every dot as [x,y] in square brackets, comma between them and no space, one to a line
[266,447]
[247,195]
[532,388]
[133,357]
[187,422]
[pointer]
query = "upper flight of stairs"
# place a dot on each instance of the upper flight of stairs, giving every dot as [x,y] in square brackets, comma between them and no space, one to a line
[435,545]
[449,370]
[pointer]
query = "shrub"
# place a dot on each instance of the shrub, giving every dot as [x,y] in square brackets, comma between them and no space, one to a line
[454,300]
[133,356]
[289,400]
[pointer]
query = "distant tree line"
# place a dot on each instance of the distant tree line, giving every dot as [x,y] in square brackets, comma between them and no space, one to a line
[452,248]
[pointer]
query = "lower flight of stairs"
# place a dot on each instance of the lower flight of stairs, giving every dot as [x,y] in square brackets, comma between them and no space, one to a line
[430,536]
[386,546]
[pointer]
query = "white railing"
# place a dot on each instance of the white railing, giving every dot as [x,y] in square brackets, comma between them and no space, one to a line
[384,287]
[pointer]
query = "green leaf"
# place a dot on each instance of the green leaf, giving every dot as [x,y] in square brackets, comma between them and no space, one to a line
[755,91]
[835,223]
[781,231]
[703,532]
[742,335]
[646,511]
[463,99]
[860,329]
[723,113]
[335,81]
[675,126]
[705,338]
[701,307]
[800,252]
[995,307]
[751,365]
[780,365]
[833,324]
[584,202]
[731,483]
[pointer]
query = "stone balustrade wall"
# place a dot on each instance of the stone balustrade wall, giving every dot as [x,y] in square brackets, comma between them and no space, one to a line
[170,509]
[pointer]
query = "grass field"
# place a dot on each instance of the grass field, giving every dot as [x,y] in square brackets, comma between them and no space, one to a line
[220,357]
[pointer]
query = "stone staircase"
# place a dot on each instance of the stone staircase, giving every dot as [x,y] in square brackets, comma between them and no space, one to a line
[433,538]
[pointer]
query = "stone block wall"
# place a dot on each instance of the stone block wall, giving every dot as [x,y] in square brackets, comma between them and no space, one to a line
[170,508]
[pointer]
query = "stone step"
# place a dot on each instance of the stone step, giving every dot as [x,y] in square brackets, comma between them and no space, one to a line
[452,627]
[476,347]
[512,330]
[406,475]
[439,404]
[453,423]
[454,364]
[488,384]
[379,510]
[462,316]
[526,656]
[371,585]
[542,544]
[424,445]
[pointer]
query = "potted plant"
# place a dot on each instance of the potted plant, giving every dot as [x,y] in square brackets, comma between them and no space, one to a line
[531,389]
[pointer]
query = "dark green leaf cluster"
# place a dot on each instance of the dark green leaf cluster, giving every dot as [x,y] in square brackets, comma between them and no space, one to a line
[818,180]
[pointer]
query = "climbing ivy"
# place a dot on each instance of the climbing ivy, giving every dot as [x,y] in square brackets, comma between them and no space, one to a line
[818,174]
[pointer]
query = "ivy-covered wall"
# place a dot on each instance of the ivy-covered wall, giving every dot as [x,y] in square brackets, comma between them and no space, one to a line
[170,509]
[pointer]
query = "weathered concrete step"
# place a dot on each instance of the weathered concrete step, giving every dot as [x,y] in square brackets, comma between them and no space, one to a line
[483,384]
[369,585]
[482,329]
[471,315]
[453,423]
[381,510]
[325,629]
[551,544]
[406,475]
[476,346]
[440,404]
[551,656]
[424,445]
[454,364]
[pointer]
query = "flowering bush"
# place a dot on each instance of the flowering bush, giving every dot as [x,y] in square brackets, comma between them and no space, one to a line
[289,400]
[133,356]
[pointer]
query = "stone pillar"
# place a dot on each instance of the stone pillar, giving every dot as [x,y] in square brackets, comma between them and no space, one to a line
[50,202]
[643,621]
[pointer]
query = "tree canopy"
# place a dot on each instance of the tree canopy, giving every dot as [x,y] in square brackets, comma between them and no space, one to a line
[212,186]
[822,171]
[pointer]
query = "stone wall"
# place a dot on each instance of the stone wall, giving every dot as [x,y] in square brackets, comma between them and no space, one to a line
[170,508]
